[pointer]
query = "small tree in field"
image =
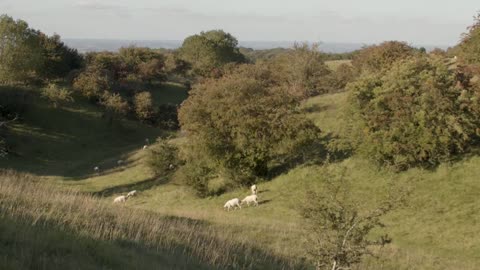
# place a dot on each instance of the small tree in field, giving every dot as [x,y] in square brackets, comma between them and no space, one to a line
[163,157]
[339,225]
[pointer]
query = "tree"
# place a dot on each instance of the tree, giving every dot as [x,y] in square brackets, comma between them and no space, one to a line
[59,59]
[418,113]
[144,106]
[339,224]
[152,70]
[243,121]
[381,57]
[91,83]
[303,70]
[209,51]
[20,51]
[163,157]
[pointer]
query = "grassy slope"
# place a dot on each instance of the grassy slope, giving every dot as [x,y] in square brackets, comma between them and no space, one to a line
[436,231]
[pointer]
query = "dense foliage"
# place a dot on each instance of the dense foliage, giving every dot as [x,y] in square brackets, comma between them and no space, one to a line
[419,112]
[241,122]
[209,51]
[381,57]
[470,45]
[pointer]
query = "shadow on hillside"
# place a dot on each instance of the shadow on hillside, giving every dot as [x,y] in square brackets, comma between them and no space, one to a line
[314,154]
[138,186]
[69,141]
[317,108]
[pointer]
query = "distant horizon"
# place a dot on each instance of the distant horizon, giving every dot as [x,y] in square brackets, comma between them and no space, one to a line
[113,44]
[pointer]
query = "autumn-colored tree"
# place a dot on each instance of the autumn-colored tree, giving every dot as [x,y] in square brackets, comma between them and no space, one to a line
[57,95]
[114,105]
[302,70]
[92,83]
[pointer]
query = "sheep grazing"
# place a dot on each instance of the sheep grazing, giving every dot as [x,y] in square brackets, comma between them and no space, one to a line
[96,169]
[250,199]
[145,147]
[233,203]
[119,162]
[132,193]
[254,189]
[120,199]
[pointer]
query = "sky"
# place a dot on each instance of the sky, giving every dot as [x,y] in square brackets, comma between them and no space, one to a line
[420,22]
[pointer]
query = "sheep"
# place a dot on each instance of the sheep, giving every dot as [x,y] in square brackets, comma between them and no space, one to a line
[254,189]
[147,141]
[250,199]
[96,169]
[120,199]
[232,204]
[119,162]
[145,147]
[171,167]
[132,193]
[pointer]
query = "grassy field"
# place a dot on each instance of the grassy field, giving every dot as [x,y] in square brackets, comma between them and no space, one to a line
[437,230]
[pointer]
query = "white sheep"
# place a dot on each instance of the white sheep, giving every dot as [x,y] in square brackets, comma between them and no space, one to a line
[250,199]
[147,141]
[232,204]
[145,147]
[120,199]
[171,167]
[254,189]
[96,169]
[132,193]
[119,162]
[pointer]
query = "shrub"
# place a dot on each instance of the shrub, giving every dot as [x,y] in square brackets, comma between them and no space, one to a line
[161,156]
[144,106]
[339,225]
[419,113]
[114,104]
[57,95]
[469,48]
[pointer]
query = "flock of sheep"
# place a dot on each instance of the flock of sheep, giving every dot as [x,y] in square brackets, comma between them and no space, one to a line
[231,204]
[236,203]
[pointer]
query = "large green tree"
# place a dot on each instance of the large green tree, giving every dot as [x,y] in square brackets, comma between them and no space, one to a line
[21,54]
[209,51]
[242,122]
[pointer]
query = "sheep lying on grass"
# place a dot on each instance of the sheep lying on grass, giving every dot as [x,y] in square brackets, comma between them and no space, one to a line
[145,147]
[132,193]
[250,199]
[233,203]
[120,199]
[254,189]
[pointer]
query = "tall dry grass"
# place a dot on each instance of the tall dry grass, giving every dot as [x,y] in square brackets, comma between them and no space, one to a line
[25,200]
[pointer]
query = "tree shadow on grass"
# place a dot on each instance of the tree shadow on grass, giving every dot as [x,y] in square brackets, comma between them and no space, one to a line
[138,186]
[314,154]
